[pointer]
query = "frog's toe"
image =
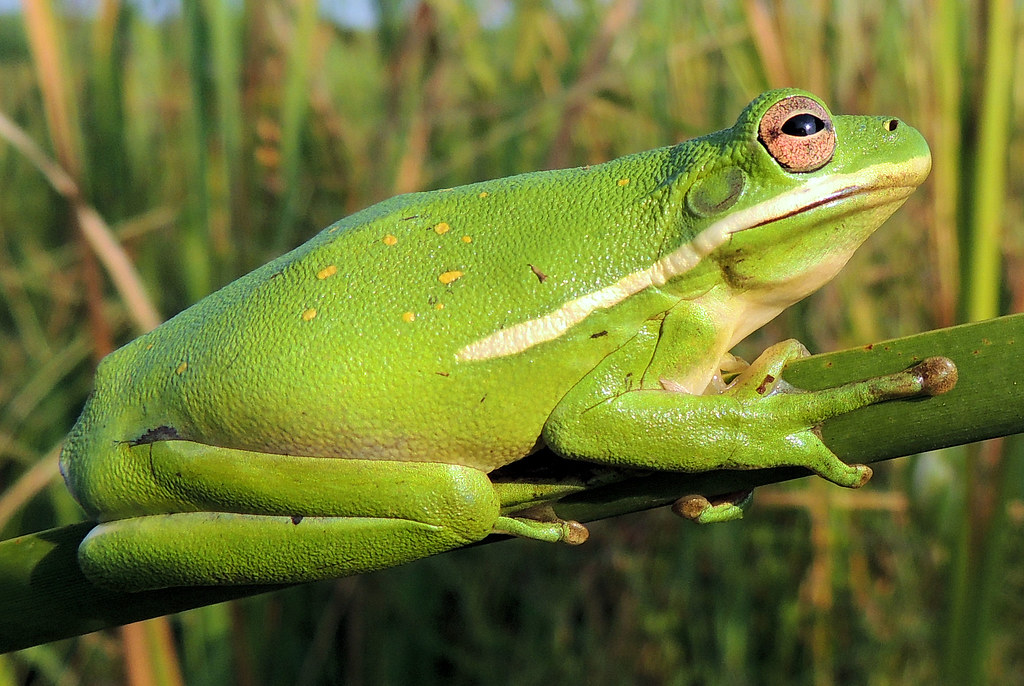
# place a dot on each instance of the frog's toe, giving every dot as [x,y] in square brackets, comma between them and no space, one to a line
[557,531]
[724,508]
[575,533]
[846,475]
[864,474]
[691,506]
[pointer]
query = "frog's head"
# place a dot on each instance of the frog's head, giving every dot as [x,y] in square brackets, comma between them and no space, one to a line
[787,195]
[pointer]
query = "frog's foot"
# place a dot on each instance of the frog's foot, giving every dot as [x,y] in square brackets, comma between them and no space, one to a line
[723,508]
[760,383]
[555,531]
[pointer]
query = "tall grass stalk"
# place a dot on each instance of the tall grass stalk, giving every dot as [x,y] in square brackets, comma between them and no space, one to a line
[197,247]
[45,37]
[944,129]
[983,529]
[300,60]
[988,184]
[227,43]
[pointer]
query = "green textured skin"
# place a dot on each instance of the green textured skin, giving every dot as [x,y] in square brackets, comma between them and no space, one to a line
[348,347]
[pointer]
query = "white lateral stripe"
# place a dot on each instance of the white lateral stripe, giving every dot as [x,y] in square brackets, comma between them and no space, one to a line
[547,327]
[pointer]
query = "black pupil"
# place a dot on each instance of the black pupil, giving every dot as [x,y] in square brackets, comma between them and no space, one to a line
[803,125]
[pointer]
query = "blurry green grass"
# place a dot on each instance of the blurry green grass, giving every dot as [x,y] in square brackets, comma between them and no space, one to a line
[216,139]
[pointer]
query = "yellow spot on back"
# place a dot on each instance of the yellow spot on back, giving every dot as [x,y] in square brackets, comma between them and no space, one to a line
[467,239]
[439,306]
[181,368]
[483,194]
[309,314]
[448,277]
[390,240]
[623,182]
[327,272]
[442,228]
[408,316]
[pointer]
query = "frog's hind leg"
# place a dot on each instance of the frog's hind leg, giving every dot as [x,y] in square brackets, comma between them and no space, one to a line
[273,519]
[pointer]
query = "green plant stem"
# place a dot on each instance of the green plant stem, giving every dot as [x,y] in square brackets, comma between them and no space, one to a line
[43,595]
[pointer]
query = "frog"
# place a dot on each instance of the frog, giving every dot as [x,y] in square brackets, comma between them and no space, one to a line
[348,406]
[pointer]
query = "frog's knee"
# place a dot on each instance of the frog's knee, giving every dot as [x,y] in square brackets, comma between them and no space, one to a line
[467,504]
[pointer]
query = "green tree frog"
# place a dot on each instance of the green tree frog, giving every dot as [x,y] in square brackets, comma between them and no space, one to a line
[344,407]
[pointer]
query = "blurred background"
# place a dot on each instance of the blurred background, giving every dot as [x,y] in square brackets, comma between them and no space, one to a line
[152,151]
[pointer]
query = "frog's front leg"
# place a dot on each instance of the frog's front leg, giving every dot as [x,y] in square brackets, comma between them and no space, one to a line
[273,519]
[755,423]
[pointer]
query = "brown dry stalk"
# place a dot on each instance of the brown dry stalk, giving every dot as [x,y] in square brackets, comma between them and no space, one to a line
[95,230]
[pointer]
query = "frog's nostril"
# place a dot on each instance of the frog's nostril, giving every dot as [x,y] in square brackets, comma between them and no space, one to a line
[892,124]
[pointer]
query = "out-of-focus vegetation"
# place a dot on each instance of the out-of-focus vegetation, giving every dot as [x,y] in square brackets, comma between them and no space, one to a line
[212,137]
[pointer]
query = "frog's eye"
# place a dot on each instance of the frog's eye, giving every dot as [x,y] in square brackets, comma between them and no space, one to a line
[802,124]
[797,132]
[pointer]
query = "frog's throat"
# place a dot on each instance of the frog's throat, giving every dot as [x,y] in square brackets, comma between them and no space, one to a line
[898,179]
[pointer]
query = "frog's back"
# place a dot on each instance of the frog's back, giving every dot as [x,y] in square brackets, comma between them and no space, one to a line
[348,345]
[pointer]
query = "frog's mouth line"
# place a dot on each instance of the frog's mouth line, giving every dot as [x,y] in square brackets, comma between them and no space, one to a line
[893,182]
[841,194]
